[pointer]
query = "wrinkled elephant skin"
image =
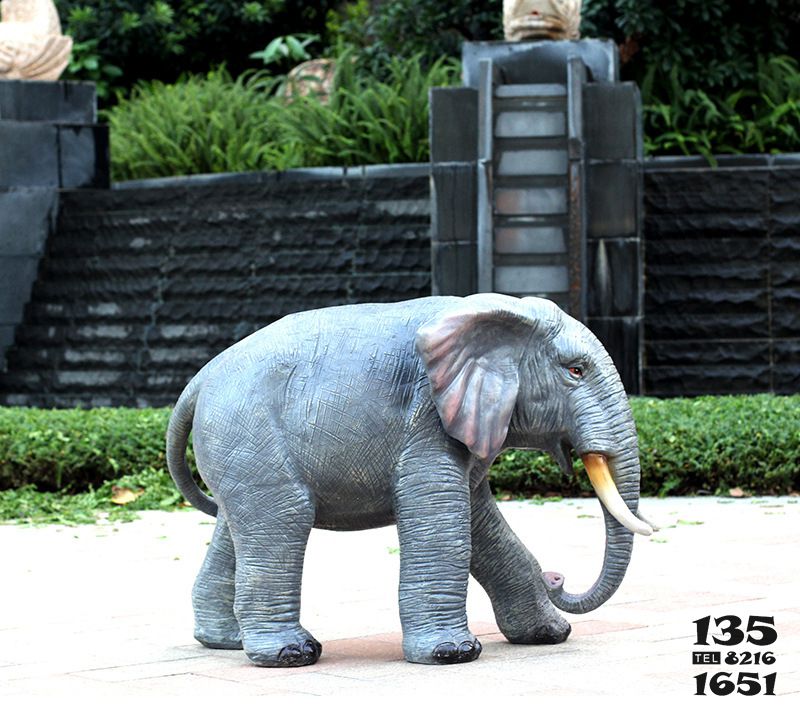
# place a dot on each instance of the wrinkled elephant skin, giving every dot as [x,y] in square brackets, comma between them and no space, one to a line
[360,416]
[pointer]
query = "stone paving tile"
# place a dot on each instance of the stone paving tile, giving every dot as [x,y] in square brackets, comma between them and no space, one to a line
[126,628]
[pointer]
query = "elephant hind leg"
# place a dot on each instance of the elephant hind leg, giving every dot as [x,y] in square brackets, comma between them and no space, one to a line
[215,625]
[270,521]
[511,577]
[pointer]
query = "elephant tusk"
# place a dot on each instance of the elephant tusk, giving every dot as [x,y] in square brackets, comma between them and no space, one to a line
[603,484]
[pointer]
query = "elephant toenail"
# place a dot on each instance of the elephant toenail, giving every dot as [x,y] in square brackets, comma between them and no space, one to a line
[469,650]
[290,654]
[445,653]
[312,649]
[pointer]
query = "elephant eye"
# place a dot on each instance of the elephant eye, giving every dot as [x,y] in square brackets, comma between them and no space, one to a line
[576,371]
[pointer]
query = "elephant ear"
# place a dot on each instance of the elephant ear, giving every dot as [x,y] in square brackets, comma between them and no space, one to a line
[471,355]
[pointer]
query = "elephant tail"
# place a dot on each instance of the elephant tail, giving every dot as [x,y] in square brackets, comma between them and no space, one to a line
[180,425]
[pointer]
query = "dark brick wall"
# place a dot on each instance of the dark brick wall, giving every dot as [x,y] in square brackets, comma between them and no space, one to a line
[140,286]
[722,307]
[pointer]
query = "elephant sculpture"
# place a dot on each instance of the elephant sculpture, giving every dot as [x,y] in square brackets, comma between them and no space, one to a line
[360,416]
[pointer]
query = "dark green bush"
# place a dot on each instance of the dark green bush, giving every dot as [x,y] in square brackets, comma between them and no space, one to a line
[73,449]
[704,444]
[120,42]
[707,444]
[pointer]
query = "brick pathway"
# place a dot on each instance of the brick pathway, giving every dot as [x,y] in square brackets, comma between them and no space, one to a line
[105,610]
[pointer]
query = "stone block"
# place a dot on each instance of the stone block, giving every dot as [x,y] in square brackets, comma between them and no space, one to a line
[17,275]
[706,379]
[786,372]
[614,277]
[27,216]
[531,279]
[622,338]
[543,200]
[678,324]
[540,61]
[612,120]
[613,193]
[453,124]
[454,203]
[28,154]
[728,191]
[84,156]
[54,102]
[454,269]
[689,352]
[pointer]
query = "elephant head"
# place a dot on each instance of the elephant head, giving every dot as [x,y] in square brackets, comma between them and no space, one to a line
[520,373]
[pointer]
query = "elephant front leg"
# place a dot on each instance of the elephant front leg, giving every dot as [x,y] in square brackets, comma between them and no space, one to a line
[433,522]
[511,577]
[215,624]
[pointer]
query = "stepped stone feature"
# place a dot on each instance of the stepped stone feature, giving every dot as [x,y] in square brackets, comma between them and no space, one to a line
[48,141]
[141,285]
[549,170]
[723,276]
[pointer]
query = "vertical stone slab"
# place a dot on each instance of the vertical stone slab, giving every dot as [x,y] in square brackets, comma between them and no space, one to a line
[454,143]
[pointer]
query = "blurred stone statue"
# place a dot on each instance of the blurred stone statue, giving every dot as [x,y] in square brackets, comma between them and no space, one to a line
[541,19]
[31,43]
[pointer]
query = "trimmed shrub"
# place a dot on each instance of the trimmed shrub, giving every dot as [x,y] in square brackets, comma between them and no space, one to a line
[700,445]
[706,444]
[73,449]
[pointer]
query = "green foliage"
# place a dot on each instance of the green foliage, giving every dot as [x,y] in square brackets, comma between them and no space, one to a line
[710,43]
[763,120]
[27,505]
[367,121]
[121,42]
[700,445]
[214,124]
[72,449]
[405,28]
[707,444]
[293,48]
[206,124]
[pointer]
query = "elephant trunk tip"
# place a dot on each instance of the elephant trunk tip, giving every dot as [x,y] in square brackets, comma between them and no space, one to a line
[553,580]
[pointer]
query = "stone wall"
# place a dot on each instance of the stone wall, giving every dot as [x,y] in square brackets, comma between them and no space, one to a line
[141,285]
[722,271]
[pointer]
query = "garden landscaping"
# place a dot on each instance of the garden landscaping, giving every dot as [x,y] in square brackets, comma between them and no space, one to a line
[73,466]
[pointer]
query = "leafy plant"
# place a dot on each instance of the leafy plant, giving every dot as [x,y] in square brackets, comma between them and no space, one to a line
[164,39]
[705,444]
[290,47]
[367,121]
[759,120]
[215,124]
[205,124]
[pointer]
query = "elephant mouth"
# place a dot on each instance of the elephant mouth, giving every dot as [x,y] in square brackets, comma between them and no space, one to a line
[597,469]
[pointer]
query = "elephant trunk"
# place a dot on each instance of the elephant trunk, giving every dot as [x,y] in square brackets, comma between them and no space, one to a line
[619,505]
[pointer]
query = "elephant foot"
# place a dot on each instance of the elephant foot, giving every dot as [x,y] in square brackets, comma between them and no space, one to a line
[461,648]
[216,639]
[287,649]
[554,630]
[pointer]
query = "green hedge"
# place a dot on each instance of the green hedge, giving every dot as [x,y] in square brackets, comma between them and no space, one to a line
[705,444]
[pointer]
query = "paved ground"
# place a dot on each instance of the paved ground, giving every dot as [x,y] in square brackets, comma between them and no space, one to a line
[96,610]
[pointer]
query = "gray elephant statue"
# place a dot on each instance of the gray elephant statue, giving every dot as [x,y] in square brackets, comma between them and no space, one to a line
[360,416]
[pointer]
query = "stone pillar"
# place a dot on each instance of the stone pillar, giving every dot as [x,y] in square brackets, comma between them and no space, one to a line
[49,140]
